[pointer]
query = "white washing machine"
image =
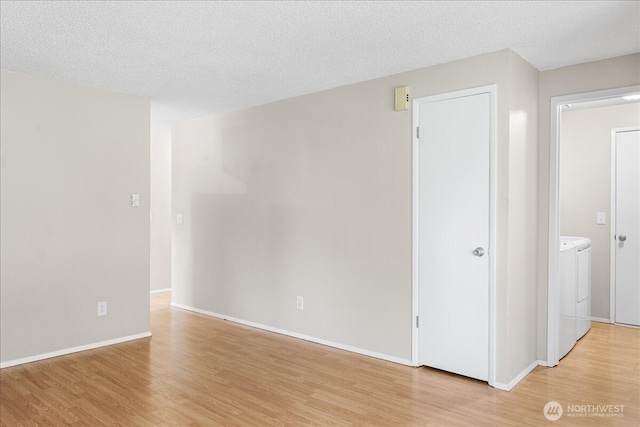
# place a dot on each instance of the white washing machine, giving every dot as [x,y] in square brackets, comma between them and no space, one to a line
[568,289]
[575,291]
[583,264]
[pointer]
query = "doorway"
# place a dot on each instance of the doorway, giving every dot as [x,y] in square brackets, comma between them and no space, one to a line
[558,104]
[454,225]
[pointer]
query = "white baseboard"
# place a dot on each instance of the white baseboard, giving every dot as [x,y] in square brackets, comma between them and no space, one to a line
[72,350]
[516,380]
[299,336]
[600,319]
[158,291]
[627,326]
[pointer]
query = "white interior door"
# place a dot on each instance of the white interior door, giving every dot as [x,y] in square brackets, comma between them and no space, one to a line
[453,234]
[627,233]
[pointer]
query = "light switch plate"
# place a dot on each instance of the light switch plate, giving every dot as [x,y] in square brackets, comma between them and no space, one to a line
[601,218]
[179,219]
[135,200]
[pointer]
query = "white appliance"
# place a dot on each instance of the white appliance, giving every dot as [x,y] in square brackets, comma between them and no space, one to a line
[575,291]
[568,289]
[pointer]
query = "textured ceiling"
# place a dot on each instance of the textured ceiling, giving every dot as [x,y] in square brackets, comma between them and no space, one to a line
[195,58]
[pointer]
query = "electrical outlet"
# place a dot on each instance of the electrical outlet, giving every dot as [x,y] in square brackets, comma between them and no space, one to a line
[300,303]
[102,308]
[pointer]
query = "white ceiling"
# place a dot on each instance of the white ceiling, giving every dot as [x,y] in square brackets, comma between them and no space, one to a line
[197,58]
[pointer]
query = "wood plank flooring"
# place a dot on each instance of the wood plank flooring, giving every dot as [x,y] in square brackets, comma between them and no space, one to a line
[197,370]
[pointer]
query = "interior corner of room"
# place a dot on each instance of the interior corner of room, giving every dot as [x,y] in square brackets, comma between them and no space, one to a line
[303,216]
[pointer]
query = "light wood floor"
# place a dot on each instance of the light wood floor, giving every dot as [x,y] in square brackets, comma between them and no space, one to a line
[197,370]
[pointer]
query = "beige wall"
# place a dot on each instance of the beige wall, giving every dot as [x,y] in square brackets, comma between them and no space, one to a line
[312,196]
[585,185]
[522,222]
[599,75]
[71,156]
[160,211]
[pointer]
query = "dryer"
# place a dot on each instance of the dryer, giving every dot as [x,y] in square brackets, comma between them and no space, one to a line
[567,331]
[575,291]
[583,265]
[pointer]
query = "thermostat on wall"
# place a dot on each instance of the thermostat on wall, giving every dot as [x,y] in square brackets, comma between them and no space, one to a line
[402,98]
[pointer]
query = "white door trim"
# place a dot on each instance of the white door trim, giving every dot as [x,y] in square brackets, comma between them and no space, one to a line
[557,103]
[491,250]
[612,241]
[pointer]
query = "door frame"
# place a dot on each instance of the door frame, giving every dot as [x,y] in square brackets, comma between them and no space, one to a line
[613,242]
[553,274]
[491,250]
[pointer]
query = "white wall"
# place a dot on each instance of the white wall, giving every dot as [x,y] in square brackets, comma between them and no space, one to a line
[599,75]
[160,211]
[585,186]
[312,196]
[71,156]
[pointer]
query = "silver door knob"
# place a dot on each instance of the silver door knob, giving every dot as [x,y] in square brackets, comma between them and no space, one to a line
[622,237]
[478,252]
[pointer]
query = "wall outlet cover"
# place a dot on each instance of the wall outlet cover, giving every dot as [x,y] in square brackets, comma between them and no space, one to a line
[102,308]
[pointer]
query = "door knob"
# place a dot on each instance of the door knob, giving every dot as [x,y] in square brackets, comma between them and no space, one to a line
[478,252]
[622,237]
